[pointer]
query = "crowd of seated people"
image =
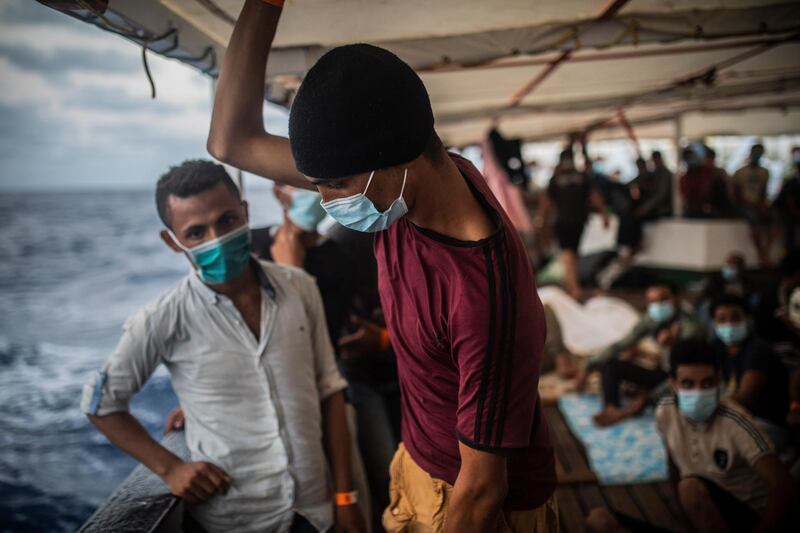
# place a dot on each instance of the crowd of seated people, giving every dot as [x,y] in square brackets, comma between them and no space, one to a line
[705,190]
[729,476]
[727,390]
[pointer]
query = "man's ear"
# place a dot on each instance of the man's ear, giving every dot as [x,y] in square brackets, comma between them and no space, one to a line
[169,241]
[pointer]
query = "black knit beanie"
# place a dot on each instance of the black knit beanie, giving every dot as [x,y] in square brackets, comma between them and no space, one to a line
[359,108]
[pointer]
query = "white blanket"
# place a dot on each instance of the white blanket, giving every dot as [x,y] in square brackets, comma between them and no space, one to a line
[589,328]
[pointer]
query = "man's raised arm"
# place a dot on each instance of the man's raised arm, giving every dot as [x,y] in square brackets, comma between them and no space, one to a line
[237,133]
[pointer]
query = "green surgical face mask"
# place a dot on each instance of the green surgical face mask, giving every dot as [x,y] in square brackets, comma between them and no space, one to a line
[224,258]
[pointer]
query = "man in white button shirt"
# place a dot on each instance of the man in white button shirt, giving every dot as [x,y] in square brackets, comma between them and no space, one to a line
[248,352]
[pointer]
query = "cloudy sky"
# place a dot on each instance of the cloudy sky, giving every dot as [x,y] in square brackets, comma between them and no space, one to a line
[75,107]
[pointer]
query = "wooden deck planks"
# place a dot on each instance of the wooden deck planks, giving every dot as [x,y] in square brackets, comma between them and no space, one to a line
[572,465]
[620,500]
[653,507]
[570,513]
[590,497]
[578,492]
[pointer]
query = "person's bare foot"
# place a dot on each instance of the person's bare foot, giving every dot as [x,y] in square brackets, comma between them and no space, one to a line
[609,416]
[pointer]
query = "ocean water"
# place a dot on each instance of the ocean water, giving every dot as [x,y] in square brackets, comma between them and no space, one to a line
[73,266]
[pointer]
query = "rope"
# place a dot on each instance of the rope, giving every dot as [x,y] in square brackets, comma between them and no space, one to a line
[126,32]
[147,72]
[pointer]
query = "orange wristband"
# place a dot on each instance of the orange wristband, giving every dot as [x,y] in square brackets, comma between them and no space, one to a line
[276,3]
[346,498]
[386,342]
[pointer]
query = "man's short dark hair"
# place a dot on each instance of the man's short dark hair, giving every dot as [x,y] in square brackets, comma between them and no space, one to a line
[727,300]
[710,153]
[566,155]
[656,155]
[188,179]
[692,352]
[671,287]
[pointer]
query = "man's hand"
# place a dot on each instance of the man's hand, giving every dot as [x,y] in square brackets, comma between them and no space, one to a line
[197,482]
[349,519]
[287,249]
[175,420]
[365,341]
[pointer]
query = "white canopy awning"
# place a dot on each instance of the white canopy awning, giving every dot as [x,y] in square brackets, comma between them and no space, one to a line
[541,69]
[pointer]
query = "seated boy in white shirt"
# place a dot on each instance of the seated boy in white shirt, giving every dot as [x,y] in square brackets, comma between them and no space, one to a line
[730,477]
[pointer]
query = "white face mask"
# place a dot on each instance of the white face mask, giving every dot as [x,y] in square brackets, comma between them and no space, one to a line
[793,308]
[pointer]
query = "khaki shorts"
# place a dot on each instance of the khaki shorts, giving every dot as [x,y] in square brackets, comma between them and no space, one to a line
[418,504]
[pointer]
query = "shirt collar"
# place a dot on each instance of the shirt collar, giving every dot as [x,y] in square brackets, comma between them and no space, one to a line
[702,426]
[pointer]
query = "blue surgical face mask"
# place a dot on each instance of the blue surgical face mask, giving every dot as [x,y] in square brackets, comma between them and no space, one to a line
[729,273]
[731,333]
[305,211]
[698,404]
[220,260]
[661,311]
[358,212]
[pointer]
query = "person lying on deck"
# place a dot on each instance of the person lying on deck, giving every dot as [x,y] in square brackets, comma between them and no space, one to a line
[730,477]
[666,321]
[248,352]
[456,285]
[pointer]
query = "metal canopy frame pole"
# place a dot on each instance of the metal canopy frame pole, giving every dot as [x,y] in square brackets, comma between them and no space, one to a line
[677,201]
[609,11]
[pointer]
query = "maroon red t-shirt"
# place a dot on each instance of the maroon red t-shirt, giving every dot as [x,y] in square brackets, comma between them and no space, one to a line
[468,329]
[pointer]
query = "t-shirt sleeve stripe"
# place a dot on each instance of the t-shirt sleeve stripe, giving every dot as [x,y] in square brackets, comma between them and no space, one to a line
[487,361]
[747,426]
[508,353]
[499,357]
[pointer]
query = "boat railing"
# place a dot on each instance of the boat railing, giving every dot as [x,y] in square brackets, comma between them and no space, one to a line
[142,503]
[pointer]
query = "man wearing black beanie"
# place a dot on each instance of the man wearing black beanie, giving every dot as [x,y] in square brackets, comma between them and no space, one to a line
[457,289]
